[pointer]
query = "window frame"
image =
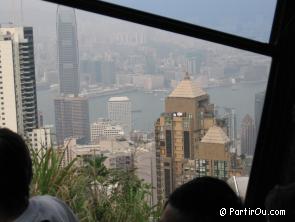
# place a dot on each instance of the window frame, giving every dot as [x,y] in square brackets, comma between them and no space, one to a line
[278,115]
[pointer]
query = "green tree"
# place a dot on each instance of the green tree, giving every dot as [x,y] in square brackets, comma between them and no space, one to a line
[94,192]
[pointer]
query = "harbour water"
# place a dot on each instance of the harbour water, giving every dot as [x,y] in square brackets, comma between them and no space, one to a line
[149,106]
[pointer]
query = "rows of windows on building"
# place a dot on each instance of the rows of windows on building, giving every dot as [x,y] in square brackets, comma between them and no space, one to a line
[193,140]
[18,86]
[190,139]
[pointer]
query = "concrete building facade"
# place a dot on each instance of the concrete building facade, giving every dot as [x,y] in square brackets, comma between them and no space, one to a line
[41,138]
[105,129]
[18,100]
[72,119]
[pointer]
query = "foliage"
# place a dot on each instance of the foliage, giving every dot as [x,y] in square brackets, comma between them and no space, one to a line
[94,192]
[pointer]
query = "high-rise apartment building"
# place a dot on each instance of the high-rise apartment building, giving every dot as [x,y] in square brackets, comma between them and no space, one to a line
[173,136]
[230,118]
[178,132]
[72,119]
[41,138]
[247,136]
[67,47]
[119,111]
[18,100]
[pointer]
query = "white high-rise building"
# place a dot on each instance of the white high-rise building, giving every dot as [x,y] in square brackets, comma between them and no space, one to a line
[41,138]
[231,122]
[18,100]
[119,111]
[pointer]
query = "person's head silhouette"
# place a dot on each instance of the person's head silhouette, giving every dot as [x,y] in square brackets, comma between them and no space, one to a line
[15,173]
[200,200]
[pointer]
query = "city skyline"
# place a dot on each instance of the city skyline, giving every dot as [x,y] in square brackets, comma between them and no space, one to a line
[130,105]
[171,78]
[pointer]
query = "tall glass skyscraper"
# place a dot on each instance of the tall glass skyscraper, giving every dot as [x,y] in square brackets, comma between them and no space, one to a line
[67,47]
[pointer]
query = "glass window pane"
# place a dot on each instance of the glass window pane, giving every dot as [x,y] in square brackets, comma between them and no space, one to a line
[251,19]
[138,74]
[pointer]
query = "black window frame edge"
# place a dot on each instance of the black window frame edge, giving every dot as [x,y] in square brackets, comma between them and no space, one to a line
[168,24]
[269,166]
[275,142]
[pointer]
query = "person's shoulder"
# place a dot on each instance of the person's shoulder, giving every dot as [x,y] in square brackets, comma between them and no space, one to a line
[47,199]
[54,208]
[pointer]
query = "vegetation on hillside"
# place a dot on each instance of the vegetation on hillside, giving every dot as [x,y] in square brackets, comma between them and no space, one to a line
[94,192]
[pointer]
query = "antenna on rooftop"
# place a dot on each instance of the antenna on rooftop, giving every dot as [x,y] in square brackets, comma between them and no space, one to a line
[12,11]
[21,13]
[185,71]
[187,76]
[17,12]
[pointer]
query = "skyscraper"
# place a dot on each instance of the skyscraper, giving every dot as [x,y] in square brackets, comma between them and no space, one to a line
[231,126]
[119,111]
[67,47]
[259,101]
[173,136]
[178,131]
[18,100]
[72,119]
[247,136]
[41,138]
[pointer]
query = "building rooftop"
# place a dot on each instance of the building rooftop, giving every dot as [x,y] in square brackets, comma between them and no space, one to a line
[215,135]
[119,99]
[187,89]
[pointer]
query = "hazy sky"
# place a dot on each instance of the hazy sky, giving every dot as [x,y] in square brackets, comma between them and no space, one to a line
[243,17]
[249,18]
